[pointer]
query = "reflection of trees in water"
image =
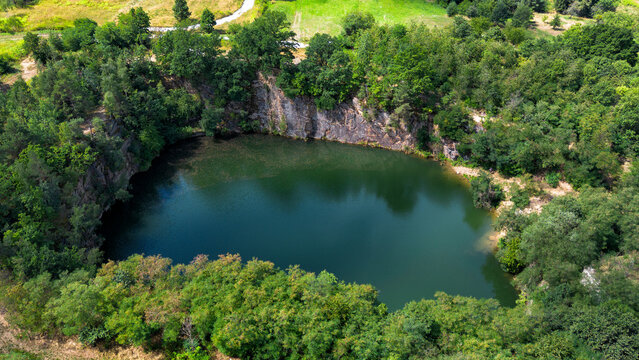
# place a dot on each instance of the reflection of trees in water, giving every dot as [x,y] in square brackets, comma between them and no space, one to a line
[145,190]
[285,170]
[504,292]
[334,171]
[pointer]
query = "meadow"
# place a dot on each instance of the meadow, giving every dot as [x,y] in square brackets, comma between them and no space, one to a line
[309,17]
[57,14]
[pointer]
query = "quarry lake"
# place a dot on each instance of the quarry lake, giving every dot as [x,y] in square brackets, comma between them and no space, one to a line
[367,215]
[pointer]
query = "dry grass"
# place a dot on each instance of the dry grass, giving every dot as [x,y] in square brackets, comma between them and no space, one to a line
[53,14]
[567,21]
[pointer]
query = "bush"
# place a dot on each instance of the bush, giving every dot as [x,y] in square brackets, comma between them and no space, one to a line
[610,329]
[356,21]
[510,256]
[5,65]
[486,194]
[12,24]
[453,123]
[212,122]
[553,178]
[520,198]
[451,10]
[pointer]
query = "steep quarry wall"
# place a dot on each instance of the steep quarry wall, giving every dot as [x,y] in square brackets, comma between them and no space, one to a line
[101,181]
[347,123]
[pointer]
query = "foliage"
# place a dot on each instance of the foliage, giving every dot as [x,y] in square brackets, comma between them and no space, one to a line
[603,40]
[175,53]
[12,24]
[553,179]
[212,122]
[556,22]
[357,21]
[563,107]
[486,194]
[5,65]
[454,123]
[181,10]
[522,16]
[207,21]
[265,43]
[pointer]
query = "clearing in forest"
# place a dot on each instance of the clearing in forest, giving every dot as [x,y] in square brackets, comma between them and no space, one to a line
[309,17]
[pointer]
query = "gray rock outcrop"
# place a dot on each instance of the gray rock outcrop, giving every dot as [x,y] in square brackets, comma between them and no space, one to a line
[348,123]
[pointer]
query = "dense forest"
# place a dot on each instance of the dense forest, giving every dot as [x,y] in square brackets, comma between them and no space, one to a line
[111,97]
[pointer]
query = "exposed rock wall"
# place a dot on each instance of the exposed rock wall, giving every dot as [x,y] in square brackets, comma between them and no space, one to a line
[300,118]
[101,181]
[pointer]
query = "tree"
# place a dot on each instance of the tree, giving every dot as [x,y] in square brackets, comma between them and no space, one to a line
[453,122]
[356,21]
[613,42]
[451,10]
[472,11]
[537,5]
[265,43]
[562,5]
[556,22]
[5,64]
[500,13]
[522,16]
[208,21]
[134,27]
[187,54]
[31,42]
[181,10]
[80,35]
[485,194]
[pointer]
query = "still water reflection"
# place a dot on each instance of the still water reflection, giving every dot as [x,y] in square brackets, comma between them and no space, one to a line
[366,215]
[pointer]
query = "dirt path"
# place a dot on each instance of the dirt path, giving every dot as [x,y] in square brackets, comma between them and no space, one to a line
[11,339]
[28,68]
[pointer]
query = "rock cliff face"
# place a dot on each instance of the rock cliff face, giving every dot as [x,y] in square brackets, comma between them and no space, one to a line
[300,118]
[101,181]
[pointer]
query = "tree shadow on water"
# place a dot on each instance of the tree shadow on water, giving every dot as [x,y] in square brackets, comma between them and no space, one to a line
[147,190]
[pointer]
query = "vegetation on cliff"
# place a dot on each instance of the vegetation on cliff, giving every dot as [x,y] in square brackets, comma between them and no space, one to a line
[562,107]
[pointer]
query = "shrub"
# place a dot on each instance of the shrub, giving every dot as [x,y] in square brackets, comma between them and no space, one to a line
[5,64]
[510,256]
[486,194]
[212,121]
[453,123]
[520,198]
[356,21]
[451,10]
[553,179]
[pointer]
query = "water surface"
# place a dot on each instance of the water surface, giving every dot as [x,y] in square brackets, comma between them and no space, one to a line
[367,215]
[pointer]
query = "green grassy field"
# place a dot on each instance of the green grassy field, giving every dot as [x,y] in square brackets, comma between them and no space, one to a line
[312,16]
[11,45]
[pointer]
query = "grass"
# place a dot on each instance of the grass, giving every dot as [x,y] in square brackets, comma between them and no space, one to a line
[18,355]
[57,14]
[309,17]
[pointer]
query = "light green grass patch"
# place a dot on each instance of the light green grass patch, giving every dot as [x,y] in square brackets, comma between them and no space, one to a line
[11,46]
[309,17]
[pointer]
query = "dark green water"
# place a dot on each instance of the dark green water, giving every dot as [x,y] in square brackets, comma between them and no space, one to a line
[366,215]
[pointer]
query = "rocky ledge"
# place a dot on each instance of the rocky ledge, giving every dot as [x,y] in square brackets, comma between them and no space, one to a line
[347,123]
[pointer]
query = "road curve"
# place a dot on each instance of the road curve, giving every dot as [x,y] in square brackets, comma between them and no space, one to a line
[246,6]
